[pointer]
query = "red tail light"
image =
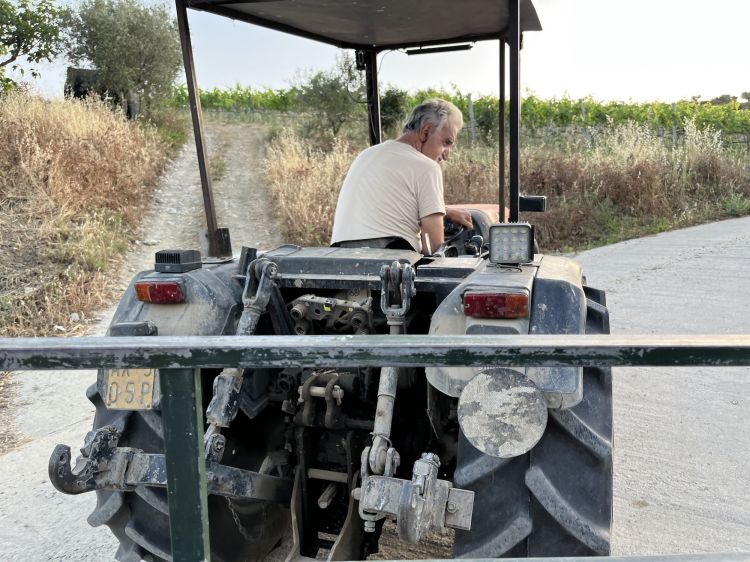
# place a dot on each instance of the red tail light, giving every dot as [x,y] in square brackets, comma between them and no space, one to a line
[496,305]
[159,292]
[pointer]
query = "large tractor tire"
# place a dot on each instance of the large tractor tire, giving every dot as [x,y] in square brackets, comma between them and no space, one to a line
[557,499]
[240,530]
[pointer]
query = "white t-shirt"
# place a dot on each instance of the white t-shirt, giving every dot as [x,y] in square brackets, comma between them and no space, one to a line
[388,189]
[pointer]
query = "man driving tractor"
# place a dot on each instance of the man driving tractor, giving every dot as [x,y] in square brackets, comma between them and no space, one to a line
[392,196]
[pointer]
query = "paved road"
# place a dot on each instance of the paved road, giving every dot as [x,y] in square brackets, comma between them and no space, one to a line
[682,436]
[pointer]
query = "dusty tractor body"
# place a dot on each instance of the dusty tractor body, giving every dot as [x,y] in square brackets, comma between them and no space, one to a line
[517,460]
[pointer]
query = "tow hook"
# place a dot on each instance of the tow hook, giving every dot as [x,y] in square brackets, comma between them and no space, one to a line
[98,456]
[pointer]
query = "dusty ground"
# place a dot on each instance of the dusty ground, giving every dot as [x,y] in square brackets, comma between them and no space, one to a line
[682,440]
[9,436]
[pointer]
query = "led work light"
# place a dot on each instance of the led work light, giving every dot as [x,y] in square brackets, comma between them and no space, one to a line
[511,243]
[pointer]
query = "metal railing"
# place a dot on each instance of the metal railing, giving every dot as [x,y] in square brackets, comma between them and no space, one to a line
[179,360]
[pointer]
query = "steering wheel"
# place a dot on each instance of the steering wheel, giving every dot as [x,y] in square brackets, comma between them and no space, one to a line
[452,231]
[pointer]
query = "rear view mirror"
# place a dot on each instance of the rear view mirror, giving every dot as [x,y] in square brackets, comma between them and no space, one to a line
[532,203]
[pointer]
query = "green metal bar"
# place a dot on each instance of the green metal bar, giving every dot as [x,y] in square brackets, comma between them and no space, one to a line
[363,351]
[182,409]
[717,557]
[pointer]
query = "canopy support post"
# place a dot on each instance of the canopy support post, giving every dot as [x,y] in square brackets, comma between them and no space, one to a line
[515,106]
[217,239]
[367,61]
[501,133]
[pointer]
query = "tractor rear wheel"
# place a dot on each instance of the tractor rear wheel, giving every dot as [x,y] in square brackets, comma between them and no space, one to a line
[557,499]
[239,530]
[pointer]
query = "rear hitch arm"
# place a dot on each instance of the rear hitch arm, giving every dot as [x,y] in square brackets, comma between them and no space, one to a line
[104,466]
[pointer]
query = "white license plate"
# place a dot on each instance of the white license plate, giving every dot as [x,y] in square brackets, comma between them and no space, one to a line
[130,389]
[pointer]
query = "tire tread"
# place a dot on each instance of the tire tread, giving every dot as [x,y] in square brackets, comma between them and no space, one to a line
[562,488]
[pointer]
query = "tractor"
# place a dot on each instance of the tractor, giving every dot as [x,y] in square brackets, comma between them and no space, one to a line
[307,463]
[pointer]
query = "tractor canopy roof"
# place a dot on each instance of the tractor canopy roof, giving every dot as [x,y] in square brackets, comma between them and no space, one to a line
[380,24]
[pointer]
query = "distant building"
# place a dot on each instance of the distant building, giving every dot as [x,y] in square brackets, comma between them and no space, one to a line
[82,82]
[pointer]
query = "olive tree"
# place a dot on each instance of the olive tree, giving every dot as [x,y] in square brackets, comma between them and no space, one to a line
[30,31]
[134,48]
[334,95]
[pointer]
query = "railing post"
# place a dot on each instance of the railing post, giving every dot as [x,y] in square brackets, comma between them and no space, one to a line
[182,420]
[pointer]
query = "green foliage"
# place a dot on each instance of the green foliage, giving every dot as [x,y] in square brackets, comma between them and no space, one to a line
[335,95]
[393,109]
[172,127]
[239,98]
[455,97]
[29,29]
[564,112]
[135,48]
[736,205]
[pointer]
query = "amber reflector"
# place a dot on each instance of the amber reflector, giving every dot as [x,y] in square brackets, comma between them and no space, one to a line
[159,292]
[496,305]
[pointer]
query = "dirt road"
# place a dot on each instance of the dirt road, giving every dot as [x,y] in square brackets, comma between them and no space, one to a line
[682,440]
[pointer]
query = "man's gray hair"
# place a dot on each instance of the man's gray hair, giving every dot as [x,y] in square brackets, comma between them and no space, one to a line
[435,111]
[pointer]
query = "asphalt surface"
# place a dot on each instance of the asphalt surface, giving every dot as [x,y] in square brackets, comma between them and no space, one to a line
[682,436]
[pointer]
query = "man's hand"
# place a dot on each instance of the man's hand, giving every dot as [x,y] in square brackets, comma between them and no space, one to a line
[459,216]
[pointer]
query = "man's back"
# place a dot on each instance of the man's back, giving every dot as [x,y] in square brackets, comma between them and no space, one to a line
[387,190]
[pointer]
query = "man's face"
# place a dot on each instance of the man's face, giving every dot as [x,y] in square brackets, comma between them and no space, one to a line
[440,141]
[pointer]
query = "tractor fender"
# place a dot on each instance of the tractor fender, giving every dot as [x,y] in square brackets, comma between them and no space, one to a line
[557,306]
[449,319]
[212,307]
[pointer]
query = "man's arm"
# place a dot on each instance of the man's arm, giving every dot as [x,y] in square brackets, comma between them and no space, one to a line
[432,232]
[459,216]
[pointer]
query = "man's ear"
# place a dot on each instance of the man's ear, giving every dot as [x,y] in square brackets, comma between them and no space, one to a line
[425,131]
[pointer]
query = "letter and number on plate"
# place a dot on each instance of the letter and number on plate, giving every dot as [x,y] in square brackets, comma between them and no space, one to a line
[130,389]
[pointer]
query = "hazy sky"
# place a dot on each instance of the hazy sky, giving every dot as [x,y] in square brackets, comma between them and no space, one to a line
[610,49]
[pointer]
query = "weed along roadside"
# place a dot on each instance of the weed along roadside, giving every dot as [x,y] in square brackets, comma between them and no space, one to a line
[47,408]
[75,179]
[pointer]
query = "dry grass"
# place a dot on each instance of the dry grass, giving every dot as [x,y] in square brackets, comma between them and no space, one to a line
[73,181]
[10,437]
[625,182]
[620,182]
[304,183]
